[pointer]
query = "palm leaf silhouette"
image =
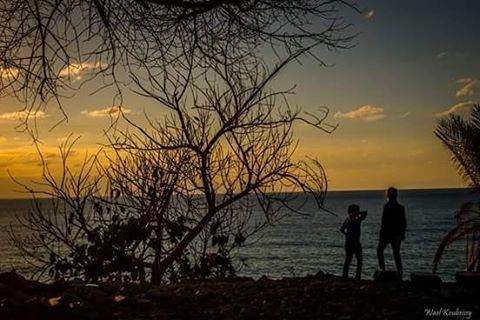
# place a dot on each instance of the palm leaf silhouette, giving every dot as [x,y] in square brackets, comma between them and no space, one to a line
[462,138]
[468,227]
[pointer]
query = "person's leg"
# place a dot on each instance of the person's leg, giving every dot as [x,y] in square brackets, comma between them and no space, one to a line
[397,257]
[359,256]
[348,260]
[382,244]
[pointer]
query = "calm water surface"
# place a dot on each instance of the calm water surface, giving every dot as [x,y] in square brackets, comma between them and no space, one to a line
[302,245]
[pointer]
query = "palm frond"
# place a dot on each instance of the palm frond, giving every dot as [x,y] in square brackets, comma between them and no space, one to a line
[476,116]
[468,227]
[462,138]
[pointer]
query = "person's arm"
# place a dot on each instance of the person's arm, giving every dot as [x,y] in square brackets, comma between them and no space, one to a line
[363,215]
[343,227]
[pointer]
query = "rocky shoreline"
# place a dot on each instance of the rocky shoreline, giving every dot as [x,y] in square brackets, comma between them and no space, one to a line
[315,297]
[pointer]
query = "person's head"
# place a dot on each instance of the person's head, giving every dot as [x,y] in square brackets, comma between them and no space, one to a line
[353,209]
[392,194]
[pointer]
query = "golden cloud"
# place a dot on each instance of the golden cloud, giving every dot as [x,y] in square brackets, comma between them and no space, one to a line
[365,113]
[8,73]
[467,87]
[22,115]
[461,108]
[75,70]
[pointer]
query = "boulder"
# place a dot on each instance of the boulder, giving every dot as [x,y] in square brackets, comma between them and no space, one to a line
[425,280]
[12,278]
[386,276]
[264,279]
[470,280]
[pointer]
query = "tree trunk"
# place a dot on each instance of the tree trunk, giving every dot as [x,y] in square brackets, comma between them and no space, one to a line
[177,252]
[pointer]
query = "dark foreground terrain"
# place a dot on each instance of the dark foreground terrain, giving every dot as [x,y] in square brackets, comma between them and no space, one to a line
[315,297]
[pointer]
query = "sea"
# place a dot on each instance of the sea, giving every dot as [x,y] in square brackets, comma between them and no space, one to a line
[304,244]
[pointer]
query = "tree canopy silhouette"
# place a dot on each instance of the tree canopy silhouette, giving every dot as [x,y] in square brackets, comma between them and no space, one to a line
[44,45]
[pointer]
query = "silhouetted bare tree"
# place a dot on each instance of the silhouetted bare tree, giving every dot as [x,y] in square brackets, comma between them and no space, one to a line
[44,45]
[182,189]
[238,141]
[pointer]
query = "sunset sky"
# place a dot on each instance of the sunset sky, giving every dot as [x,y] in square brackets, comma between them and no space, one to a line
[414,61]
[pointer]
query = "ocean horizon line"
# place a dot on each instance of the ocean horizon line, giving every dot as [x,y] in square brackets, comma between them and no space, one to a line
[328,191]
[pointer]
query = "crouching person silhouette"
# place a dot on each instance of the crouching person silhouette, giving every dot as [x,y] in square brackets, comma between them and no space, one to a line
[351,230]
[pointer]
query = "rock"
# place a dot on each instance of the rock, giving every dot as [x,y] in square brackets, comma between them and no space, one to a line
[77,283]
[446,292]
[296,298]
[320,274]
[386,276]
[248,313]
[425,280]
[143,300]
[156,294]
[12,278]
[4,289]
[468,279]
[363,287]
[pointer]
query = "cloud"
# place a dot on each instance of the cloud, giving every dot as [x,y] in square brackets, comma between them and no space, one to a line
[442,55]
[3,139]
[405,115]
[8,73]
[365,113]
[107,112]
[461,108]
[29,160]
[467,87]
[22,115]
[74,70]
[369,15]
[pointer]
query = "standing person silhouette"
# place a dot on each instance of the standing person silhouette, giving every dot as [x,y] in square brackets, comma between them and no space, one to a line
[351,229]
[392,230]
